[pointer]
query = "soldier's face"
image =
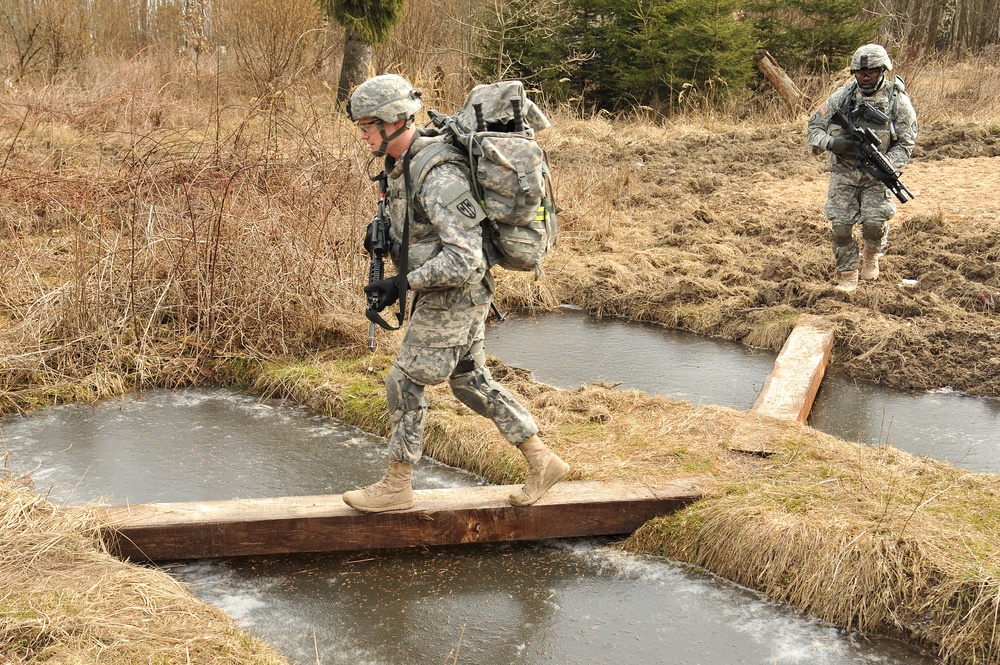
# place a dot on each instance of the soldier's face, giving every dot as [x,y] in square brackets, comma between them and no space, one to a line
[384,137]
[867,78]
[371,132]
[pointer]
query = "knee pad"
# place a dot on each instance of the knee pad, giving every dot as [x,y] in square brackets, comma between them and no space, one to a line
[473,390]
[842,234]
[873,232]
[402,394]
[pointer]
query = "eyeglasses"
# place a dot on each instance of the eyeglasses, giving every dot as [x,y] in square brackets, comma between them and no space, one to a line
[367,127]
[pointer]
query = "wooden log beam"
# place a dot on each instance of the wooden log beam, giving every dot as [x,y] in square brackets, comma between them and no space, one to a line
[175,531]
[791,387]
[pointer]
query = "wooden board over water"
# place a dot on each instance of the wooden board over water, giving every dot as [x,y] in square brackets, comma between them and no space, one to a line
[791,387]
[175,531]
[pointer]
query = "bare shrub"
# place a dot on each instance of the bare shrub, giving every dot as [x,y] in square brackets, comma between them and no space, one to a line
[192,236]
[115,26]
[194,27]
[274,42]
[435,59]
[43,36]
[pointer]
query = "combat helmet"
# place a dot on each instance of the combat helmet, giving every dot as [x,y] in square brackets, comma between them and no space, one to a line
[388,97]
[870,56]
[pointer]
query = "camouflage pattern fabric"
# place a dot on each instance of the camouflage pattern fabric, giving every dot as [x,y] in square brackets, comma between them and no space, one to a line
[853,196]
[452,294]
[495,106]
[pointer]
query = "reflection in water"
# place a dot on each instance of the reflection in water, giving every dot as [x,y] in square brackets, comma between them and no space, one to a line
[558,602]
[569,348]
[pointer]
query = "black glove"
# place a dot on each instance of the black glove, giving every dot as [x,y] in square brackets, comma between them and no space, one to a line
[841,145]
[386,290]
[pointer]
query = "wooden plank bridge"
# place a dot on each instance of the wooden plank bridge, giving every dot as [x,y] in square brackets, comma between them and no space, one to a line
[203,529]
[791,387]
[242,527]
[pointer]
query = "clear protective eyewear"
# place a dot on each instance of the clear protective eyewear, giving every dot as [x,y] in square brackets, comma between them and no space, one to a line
[368,126]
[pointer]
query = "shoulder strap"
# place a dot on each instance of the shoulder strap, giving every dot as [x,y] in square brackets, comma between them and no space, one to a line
[897,87]
[432,154]
[847,102]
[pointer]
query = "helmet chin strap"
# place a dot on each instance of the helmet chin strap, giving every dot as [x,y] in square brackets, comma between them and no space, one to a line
[388,139]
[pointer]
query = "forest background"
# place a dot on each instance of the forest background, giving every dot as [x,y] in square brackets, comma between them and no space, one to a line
[592,54]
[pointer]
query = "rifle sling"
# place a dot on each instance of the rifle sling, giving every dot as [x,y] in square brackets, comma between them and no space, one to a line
[404,253]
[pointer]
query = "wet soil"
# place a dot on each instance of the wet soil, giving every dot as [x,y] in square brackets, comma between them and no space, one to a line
[721,231]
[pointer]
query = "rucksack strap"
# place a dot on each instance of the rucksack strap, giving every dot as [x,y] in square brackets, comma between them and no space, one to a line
[897,87]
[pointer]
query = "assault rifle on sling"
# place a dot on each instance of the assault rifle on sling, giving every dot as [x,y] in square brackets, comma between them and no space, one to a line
[377,244]
[869,158]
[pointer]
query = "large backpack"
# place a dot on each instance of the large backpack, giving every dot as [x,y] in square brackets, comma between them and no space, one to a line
[495,130]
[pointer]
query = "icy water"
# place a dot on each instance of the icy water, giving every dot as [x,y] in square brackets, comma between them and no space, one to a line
[571,601]
[567,348]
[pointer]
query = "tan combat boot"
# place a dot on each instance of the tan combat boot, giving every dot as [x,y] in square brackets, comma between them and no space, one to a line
[848,282]
[546,469]
[393,492]
[869,267]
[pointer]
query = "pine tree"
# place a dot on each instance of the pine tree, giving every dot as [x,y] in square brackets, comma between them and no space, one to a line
[815,34]
[612,54]
[367,23]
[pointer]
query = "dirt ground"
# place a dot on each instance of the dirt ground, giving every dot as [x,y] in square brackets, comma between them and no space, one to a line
[721,231]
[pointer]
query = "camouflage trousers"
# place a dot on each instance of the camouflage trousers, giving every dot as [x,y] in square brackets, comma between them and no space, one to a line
[444,341]
[855,197]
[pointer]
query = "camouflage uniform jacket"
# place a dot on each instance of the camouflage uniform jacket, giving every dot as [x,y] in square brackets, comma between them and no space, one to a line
[821,130]
[446,241]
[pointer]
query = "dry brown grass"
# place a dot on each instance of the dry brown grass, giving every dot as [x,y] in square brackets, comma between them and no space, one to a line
[148,233]
[66,600]
[869,538]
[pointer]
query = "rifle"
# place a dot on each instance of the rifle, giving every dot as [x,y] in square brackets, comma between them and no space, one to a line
[869,158]
[377,244]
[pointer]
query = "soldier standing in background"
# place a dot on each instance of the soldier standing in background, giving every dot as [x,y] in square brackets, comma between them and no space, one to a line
[447,272]
[854,195]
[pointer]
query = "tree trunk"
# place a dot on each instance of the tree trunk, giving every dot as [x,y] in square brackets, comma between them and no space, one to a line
[143,19]
[780,80]
[356,64]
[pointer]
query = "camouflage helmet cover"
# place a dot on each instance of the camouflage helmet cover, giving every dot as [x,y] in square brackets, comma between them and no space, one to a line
[870,56]
[388,97]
